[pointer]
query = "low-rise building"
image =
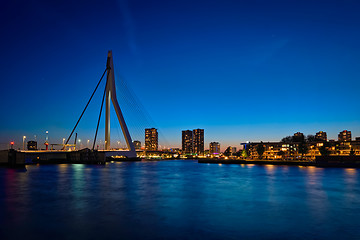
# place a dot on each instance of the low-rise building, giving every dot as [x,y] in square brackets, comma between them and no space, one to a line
[344,136]
[214,148]
[321,136]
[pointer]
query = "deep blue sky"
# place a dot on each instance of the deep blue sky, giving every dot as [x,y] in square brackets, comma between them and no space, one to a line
[242,70]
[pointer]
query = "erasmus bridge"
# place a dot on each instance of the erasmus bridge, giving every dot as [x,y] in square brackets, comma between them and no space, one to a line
[109,96]
[68,152]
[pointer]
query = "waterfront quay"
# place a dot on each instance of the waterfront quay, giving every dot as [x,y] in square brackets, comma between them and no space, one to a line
[256,161]
[320,161]
[14,158]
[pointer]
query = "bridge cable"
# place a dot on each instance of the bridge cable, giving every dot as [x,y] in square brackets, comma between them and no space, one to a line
[97,127]
[86,106]
[133,103]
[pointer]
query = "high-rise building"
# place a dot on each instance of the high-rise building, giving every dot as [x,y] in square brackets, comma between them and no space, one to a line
[187,141]
[321,136]
[151,139]
[198,141]
[344,136]
[137,144]
[214,148]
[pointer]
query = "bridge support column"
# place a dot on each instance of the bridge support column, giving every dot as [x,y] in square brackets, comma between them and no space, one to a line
[111,94]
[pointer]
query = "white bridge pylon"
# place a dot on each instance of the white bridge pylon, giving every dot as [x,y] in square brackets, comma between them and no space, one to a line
[111,97]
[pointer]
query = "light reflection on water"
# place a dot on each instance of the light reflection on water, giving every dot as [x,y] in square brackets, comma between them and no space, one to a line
[179,200]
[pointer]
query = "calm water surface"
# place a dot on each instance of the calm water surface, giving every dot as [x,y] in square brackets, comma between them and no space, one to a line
[179,200]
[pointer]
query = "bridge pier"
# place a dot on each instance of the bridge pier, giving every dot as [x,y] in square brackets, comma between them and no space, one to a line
[12,158]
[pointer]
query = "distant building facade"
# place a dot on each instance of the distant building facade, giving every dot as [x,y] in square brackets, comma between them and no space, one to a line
[32,145]
[230,151]
[187,141]
[151,139]
[321,136]
[344,136]
[214,148]
[137,144]
[198,141]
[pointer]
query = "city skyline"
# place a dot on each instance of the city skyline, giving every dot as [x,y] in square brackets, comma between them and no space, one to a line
[242,71]
[187,142]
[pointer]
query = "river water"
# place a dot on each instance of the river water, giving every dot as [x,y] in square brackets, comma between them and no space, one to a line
[179,199]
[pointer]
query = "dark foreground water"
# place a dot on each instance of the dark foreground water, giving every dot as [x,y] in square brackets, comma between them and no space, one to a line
[179,200]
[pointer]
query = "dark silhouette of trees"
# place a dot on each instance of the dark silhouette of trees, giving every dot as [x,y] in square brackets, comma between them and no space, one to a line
[281,153]
[324,149]
[303,149]
[260,150]
[245,152]
[352,152]
[287,139]
[238,153]
[310,138]
[298,138]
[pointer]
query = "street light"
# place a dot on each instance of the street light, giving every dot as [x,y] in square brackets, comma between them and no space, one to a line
[24,137]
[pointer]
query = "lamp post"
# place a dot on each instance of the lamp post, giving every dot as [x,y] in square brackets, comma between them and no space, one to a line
[24,137]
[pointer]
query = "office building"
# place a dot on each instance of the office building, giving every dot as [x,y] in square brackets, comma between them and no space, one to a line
[198,141]
[151,139]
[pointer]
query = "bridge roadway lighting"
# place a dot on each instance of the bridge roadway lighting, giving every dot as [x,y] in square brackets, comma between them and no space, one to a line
[88,141]
[24,137]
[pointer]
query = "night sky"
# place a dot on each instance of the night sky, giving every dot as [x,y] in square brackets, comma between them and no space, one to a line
[242,70]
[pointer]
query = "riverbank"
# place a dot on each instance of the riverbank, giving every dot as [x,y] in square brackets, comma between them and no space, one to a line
[258,162]
[323,161]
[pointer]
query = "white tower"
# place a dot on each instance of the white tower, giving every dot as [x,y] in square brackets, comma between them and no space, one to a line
[111,97]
